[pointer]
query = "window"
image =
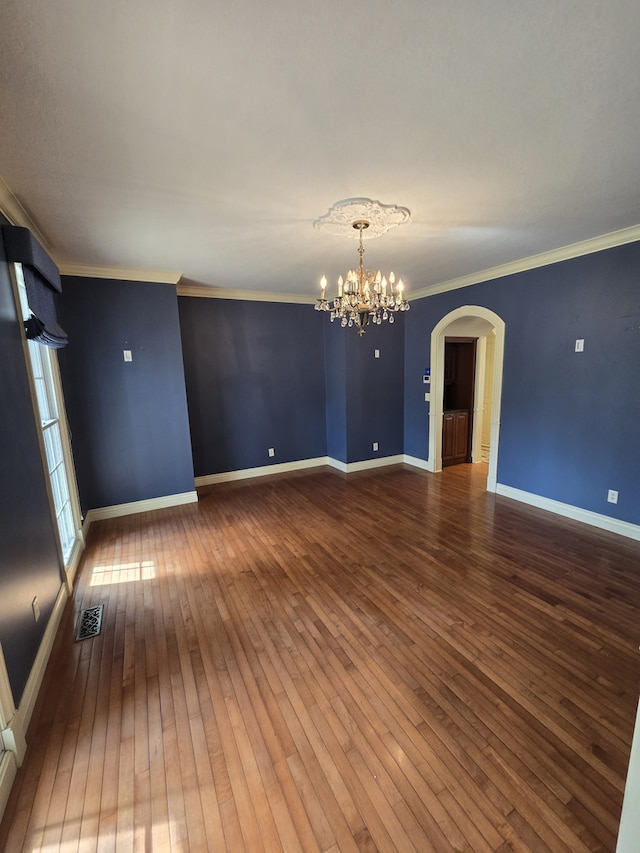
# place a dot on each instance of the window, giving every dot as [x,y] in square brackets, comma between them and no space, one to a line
[55,439]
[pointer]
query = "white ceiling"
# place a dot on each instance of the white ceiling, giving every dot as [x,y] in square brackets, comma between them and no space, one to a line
[205,137]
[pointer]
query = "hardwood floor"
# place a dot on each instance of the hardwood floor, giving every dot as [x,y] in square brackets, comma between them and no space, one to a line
[389,661]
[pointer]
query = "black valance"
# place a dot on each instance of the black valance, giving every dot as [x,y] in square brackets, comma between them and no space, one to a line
[42,281]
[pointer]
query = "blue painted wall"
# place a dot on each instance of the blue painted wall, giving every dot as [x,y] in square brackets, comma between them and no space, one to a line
[375,391]
[255,379]
[570,424]
[29,563]
[336,383]
[129,421]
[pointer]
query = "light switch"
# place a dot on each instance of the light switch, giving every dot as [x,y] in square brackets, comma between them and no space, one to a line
[127,355]
[376,353]
[580,345]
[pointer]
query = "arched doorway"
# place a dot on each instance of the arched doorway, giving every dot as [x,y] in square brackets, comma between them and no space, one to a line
[477,322]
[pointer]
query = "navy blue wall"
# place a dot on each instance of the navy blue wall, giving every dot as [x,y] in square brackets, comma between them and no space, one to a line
[255,379]
[375,391]
[570,421]
[336,383]
[29,563]
[129,422]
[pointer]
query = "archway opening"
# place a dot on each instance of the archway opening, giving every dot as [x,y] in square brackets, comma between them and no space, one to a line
[470,321]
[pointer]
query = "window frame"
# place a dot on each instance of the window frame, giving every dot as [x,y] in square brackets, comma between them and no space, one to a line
[54,422]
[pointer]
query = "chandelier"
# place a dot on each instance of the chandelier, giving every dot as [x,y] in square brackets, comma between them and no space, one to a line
[364,295]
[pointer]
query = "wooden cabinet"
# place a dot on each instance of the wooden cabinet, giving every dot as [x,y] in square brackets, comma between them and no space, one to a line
[455,437]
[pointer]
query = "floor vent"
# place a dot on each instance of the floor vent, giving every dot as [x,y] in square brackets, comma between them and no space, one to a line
[89,623]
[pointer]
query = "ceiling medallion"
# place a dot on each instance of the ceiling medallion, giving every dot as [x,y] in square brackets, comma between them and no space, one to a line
[338,220]
[364,295]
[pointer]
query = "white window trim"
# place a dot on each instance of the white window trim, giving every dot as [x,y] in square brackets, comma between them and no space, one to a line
[67,568]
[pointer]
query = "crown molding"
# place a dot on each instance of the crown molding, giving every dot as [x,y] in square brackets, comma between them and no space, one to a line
[554,256]
[120,273]
[12,209]
[247,295]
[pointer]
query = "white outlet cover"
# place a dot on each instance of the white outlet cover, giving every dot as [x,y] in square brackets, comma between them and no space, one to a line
[376,353]
[612,496]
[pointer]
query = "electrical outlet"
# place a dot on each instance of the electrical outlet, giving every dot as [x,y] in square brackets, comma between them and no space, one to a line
[375,445]
[271,451]
[612,496]
[36,608]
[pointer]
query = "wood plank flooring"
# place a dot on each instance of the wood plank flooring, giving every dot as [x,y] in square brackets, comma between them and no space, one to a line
[385,661]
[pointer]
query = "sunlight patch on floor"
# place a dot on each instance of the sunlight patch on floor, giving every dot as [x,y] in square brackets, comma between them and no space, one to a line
[102,575]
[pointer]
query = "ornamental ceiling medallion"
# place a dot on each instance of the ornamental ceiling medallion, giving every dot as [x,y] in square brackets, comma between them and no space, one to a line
[338,220]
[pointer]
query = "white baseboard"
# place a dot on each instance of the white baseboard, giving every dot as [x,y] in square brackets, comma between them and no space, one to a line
[595,519]
[261,471]
[8,770]
[20,723]
[424,464]
[368,464]
[365,464]
[299,465]
[118,510]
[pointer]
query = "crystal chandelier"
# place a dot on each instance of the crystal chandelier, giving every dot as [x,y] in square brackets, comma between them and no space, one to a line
[365,295]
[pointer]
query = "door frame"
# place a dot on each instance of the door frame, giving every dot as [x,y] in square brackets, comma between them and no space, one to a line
[494,321]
